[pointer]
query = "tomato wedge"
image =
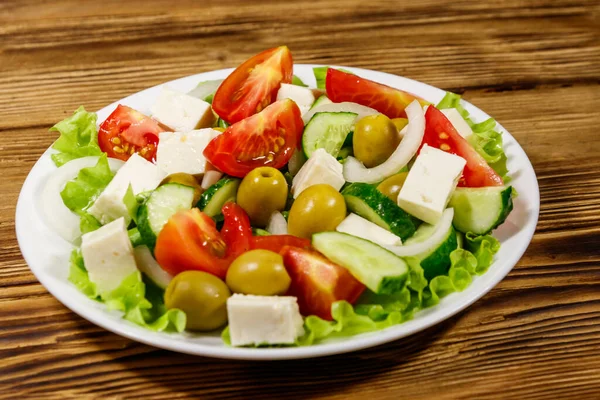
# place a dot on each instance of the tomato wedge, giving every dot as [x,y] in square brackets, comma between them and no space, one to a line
[236,231]
[253,85]
[190,241]
[127,131]
[342,86]
[317,282]
[440,133]
[264,139]
[277,242]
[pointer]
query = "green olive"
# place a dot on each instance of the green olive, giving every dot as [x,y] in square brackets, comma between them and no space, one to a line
[258,272]
[187,180]
[261,192]
[400,123]
[318,208]
[375,139]
[392,185]
[203,298]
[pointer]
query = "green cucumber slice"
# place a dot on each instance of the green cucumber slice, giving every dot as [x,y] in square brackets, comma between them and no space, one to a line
[323,99]
[377,268]
[327,130]
[481,210]
[368,202]
[431,245]
[211,202]
[162,203]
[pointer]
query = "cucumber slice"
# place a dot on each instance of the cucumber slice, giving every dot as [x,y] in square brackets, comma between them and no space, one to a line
[377,268]
[323,99]
[431,245]
[162,203]
[327,130]
[480,210]
[217,195]
[148,265]
[368,202]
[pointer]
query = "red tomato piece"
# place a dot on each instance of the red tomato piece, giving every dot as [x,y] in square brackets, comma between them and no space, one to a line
[342,86]
[264,139]
[236,231]
[277,242]
[318,282]
[440,133]
[127,131]
[253,85]
[190,241]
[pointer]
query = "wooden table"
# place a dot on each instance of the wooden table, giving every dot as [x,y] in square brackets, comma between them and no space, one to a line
[534,65]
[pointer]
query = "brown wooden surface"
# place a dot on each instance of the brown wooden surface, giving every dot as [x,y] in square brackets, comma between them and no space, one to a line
[534,65]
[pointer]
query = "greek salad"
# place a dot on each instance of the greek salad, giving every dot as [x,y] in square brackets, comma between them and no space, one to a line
[277,213]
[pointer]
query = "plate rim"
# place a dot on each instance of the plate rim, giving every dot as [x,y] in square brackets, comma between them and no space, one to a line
[350,344]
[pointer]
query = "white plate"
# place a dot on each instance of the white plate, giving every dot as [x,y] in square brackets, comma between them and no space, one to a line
[47,254]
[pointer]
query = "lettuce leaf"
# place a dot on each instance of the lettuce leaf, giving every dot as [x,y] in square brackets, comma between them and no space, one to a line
[140,301]
[483,248]
[82,191]
[486,140]
[298,82]
[78,137]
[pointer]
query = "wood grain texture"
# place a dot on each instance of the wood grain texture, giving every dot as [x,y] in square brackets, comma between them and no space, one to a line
[534,65]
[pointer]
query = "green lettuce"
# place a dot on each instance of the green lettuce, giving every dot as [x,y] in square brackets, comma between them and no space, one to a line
[486,140]
[78,137]
[298,82]
[483,247]
[140,301]
[82,191]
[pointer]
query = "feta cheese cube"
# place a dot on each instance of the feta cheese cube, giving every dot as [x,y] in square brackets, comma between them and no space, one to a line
[141,174]
[263,320]
[182,112]
[356,225]
[430,183]
[321,167]
[458,122]
[302,96]
[108,255]
[182,152]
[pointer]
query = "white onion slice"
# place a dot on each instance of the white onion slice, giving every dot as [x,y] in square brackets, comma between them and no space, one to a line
[277,224]
[149,266]
[296,162]
[355,171]
[346,106]
[205,88]
[440,229]
[210,178]
[60,219]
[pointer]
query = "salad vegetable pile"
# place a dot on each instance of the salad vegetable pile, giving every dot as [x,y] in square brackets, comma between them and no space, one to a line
[274,212]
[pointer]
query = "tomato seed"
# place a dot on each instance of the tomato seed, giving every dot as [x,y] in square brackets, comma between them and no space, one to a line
[444,135]
[118,150]
[445,147]
[115,140]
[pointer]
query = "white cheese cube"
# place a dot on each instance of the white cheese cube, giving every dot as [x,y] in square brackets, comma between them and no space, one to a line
[182,152]
[137,171]
[263,320]
[321,167]
[458,122]
[430,183]
[302,96]
[182,112]
[356,225]
[108,255]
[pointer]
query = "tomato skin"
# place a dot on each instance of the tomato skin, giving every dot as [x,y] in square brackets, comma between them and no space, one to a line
[276,243]
[342,86]
[127,131]
[266,139]
[440,133]
[190,241]
[253,85]
[236,231]
[318,282]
